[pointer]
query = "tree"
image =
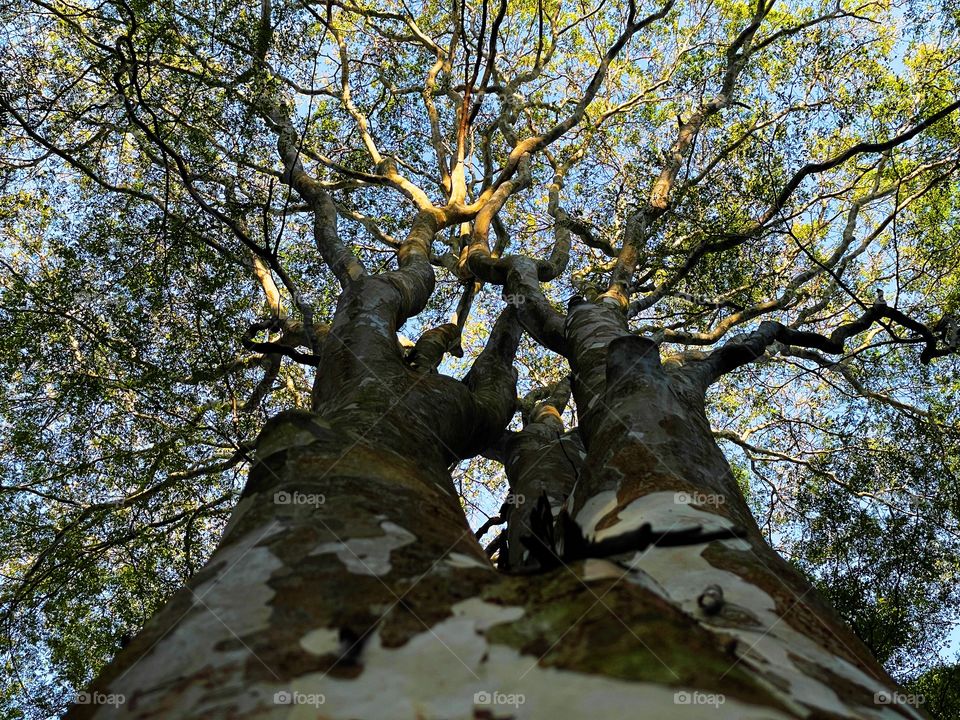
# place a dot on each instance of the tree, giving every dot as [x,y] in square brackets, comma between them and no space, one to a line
[939,687]
[680,206]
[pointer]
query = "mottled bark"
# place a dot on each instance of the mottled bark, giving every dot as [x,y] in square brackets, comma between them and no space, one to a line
[651,459]
[349,582]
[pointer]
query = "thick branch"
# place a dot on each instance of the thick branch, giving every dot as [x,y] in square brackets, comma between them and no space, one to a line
[748,348]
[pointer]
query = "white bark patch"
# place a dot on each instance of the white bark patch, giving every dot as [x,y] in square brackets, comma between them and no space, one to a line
[598,569]
[663,510]
[370,555]
[594,569]
[321,641]
[448,672]
[461,560]
[684,574]
[233,604]
[485,614]
[595,509]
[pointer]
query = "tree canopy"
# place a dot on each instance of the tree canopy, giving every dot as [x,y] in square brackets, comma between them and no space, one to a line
[185,185]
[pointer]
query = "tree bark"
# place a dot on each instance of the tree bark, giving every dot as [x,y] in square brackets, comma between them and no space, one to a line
[349,585]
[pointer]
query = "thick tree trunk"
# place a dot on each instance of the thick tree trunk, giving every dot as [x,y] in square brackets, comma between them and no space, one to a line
[349,585]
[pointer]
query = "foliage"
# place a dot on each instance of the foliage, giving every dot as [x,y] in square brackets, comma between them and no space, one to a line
[940,687]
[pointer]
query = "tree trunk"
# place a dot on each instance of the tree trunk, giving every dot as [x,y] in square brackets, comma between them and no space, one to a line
[349,585]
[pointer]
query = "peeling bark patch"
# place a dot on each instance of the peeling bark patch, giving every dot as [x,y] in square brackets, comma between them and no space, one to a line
[848,691]
[642,467]
[195,667]
[448,672]
[321,641]
[594,569]
[462,560]
[807,615]
[663,510]
[766,642]
[486,614]
[422,601]
[595,510]
[369,556]
[632,635]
